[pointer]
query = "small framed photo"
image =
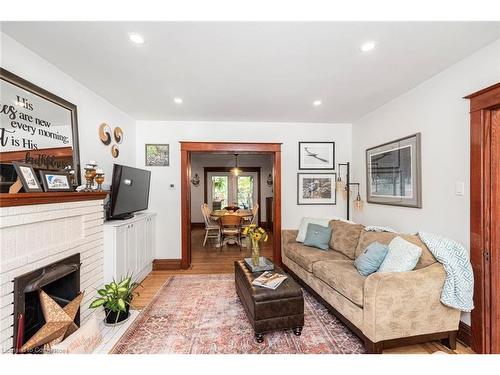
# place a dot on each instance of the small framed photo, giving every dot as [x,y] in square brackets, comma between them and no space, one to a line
[316,188]
[56,181]
[317,155]
[157,155]
[27,175]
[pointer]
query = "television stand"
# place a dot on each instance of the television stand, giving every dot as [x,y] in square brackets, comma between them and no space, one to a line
[122,217]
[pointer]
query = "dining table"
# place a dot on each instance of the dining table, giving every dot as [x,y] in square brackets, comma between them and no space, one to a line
[246,215]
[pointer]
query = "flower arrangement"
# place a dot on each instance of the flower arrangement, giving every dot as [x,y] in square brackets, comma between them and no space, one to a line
[255,234]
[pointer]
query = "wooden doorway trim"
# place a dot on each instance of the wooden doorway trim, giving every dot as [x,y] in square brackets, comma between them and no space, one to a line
[187,148]
[485,218]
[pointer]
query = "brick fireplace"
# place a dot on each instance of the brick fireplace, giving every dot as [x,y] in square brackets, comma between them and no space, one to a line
[33,238]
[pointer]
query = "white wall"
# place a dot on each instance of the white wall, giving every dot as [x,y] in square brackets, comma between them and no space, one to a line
[166,202]
[435,108]
[202,160]
[92,109]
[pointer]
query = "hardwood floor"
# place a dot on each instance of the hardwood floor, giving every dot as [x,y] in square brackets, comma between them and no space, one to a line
[210,259]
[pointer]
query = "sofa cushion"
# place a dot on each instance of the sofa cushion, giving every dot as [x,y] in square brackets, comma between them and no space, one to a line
[342,276]
[366,238]
[306,256]
[371,259]
[402,256]
[318,236]
[345,237]
[304,223]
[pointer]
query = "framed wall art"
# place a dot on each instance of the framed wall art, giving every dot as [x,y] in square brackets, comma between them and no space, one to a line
[316,188]
[157,155]
[317,155]
[393,173]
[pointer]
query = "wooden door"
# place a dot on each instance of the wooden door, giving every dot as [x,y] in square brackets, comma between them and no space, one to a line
[485,218]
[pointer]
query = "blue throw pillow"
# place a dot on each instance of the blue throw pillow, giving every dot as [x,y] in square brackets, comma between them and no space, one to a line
[371,259]
[318,236]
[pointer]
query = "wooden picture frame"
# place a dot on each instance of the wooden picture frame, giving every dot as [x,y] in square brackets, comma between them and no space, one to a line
[317,156]
[25,155]
[312,194]
[50,182]
[394,173]
[27,175]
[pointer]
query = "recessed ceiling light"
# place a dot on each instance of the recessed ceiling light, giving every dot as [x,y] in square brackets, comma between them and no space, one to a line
[368,46]
[178,100]
[136,38]
[317,103]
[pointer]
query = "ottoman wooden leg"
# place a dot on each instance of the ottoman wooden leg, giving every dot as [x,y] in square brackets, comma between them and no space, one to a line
[259,337]
[297,331]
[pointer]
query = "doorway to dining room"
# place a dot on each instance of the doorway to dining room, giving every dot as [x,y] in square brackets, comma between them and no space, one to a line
[222,182]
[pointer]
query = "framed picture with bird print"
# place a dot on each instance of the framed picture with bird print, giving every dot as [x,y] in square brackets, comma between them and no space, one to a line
[317,155]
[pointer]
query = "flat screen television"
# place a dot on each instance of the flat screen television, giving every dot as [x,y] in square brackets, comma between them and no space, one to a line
[129,192]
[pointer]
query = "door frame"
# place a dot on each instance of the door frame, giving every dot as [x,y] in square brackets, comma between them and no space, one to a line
[484,219]
[187,148]
[207,170]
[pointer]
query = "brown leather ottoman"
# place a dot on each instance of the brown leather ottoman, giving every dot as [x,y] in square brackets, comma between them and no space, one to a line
[267,309]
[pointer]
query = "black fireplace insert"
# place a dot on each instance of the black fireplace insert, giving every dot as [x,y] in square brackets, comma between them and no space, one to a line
[60,280]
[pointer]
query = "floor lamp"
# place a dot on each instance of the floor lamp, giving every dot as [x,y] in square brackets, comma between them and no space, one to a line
[358,203]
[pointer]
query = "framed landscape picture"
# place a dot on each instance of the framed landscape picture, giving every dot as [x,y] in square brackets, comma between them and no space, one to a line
[393,173]
[317,155]
[316,188]
[157,155]
[55,181]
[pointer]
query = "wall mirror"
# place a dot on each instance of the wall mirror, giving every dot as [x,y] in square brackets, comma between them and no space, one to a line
[36,127]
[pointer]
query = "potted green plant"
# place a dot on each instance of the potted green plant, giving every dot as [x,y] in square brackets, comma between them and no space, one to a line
[116,298]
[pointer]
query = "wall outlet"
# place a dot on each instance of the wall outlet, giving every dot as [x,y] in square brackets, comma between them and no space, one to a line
[172,187]
[460,189]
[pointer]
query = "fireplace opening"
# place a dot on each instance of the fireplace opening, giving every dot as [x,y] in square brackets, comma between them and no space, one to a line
[60,280]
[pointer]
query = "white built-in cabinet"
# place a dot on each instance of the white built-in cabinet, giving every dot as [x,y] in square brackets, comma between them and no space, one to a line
[129,247]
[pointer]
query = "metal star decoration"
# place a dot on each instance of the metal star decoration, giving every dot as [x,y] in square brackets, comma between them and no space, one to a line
[59,322]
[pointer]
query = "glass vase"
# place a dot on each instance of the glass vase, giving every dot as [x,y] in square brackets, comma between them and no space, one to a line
[255,253]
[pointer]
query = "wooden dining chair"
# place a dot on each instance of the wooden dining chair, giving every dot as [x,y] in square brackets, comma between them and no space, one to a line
[230,227]
[212,228]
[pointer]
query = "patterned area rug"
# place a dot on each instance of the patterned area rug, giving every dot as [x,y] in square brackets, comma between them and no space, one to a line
[201,314]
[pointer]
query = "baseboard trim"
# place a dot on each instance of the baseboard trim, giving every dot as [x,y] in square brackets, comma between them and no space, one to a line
[197,225]
[464,334]
[166,264]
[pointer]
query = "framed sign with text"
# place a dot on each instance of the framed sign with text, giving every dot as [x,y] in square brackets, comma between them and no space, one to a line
[36,126]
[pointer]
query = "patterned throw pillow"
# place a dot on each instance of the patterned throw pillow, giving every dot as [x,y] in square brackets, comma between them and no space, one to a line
[402,256]
[318,236]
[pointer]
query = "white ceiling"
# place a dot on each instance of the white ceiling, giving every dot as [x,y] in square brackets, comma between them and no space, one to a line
[252,71]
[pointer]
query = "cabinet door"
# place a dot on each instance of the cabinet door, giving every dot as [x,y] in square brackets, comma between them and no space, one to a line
[120,253]
[140,229]
[150,239]
[131,249]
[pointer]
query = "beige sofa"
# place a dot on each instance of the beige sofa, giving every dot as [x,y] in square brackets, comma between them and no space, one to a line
[384,309]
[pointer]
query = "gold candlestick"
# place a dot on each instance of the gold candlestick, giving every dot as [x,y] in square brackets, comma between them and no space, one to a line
[99,179]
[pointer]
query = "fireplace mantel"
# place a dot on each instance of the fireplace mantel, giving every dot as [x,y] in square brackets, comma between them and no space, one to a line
[26,199]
